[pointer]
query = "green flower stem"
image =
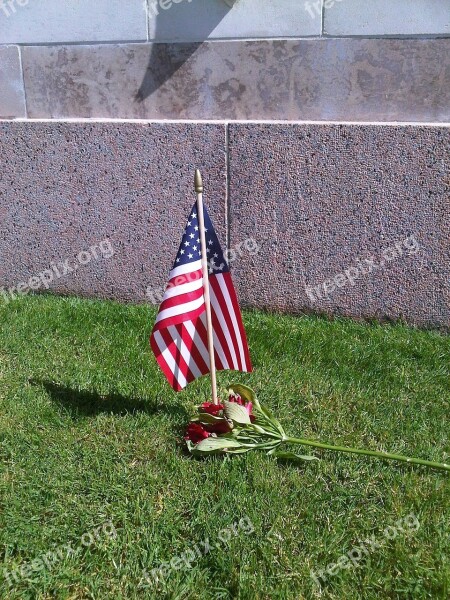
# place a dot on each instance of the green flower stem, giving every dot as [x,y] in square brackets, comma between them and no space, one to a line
[382,455]
[262,446]
[274,435]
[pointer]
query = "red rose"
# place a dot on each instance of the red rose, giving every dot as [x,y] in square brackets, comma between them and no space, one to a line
[236,398]
[218,427]
[211,408]
[248,407]
[196,433]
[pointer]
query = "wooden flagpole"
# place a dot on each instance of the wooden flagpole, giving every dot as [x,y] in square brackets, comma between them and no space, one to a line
[201,222]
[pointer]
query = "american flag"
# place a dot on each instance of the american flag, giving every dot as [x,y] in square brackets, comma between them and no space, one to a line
[179,337]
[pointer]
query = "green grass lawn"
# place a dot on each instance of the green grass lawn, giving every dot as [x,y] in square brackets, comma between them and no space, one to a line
[92,458]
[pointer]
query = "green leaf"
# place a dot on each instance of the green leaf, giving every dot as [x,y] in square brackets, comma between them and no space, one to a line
[262,421]
[207,418]
[268,414]
[291,456]
[237,413]
[216,444]
[190,445]
[238,450]
[259,429]
[247,439]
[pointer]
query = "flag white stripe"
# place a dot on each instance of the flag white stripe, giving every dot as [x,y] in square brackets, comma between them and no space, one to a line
[197,341]
[169,359]
[184,288]
[180,309]
[224,326]
[184,351]
[187,268]
[226,295]
[217,345]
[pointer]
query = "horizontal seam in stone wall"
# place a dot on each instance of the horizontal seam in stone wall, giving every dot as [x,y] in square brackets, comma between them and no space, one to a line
[231,122]
[323,36]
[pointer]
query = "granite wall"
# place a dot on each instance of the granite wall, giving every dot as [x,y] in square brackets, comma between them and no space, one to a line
[349,219]
[342,219]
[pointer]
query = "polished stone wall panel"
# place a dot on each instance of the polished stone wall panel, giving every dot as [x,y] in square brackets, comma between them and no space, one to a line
[12,95]
[59,21]
[327,79]
[75,21]
[385,17]
[201,20]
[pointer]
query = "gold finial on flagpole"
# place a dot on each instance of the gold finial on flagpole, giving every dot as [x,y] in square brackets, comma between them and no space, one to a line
[198,182]
[201,222]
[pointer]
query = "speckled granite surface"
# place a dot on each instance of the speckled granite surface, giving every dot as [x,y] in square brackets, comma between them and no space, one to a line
[324,79]
[322,201]
[318,200]
[65,187]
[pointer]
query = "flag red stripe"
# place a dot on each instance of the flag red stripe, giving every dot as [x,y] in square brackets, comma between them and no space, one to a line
[177,319]
[181,299]
[176,353]
[164,365]
[218,331]
[234,300]
[201,327]
[227,316]
[193,349]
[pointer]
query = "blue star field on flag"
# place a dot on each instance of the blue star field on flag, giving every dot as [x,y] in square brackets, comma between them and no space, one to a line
[190,248]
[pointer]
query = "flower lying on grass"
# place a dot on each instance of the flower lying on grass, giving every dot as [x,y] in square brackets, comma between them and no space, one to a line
[241,424]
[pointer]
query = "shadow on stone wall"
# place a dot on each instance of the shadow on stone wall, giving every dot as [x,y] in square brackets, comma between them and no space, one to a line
[190,24]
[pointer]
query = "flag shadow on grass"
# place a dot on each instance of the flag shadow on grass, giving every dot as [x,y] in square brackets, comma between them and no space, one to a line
[82,403]
[167,57]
